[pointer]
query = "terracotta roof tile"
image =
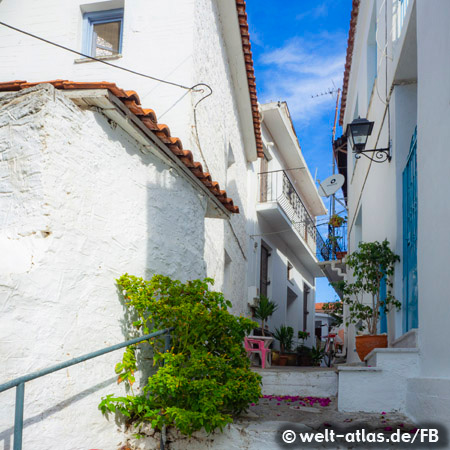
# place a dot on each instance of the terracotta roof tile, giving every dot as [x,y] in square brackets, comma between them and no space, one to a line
[246,48]
[348,62]
[148,118]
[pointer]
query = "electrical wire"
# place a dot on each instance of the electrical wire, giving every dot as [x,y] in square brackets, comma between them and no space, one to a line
[102,61]
[195,121]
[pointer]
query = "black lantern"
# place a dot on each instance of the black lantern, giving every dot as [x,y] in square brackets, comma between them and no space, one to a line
[358,131]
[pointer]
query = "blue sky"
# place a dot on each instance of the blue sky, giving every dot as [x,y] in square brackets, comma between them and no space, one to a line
[299,49]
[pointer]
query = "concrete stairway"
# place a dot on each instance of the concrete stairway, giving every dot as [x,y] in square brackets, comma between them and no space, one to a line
[380,383]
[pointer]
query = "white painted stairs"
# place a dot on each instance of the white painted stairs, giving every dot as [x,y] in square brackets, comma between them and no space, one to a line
[380,383]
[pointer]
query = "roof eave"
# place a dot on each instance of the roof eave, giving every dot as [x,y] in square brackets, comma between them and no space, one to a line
[349,57]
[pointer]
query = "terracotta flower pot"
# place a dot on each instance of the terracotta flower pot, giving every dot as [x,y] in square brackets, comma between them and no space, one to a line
[283,360]
[365,344]
[341,255]
[291,359]
[275,357]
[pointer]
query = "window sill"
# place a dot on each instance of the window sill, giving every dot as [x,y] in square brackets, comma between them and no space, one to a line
[101,58]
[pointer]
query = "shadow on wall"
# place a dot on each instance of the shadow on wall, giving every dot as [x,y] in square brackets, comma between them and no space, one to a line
[6,436]
[175,227]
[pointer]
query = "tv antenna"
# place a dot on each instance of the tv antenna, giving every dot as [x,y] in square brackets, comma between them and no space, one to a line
[329,91]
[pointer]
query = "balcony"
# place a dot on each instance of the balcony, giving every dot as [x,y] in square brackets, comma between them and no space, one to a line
[285,213]
[331,257]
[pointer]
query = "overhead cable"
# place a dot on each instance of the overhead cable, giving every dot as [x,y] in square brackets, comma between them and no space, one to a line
[100,60]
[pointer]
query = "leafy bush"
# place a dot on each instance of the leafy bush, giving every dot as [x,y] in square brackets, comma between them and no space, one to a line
[205,377]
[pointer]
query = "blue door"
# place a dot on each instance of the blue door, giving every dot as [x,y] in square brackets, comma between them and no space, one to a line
[383,318]
[410,294]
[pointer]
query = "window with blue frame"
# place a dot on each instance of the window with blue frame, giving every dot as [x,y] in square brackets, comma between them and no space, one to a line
[102,33]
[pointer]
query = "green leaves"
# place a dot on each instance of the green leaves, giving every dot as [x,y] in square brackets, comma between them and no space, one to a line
[285,335]
[370,264]
[205,378]
[265,308]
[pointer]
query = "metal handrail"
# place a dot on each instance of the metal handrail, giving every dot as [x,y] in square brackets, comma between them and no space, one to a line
[19,382]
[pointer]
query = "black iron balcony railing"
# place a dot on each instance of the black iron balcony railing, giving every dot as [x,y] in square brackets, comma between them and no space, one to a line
[277,187]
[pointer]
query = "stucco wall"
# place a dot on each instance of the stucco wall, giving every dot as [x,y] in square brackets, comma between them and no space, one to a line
[80,205]
[172,40]
[219,133]
[430,393]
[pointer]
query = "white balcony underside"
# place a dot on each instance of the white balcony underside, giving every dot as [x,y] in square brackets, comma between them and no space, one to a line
[278,221]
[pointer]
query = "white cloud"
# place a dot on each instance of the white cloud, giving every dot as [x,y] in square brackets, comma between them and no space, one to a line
[320,10]
[300,69]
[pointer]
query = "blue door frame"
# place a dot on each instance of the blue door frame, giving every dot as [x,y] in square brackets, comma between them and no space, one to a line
[410,290]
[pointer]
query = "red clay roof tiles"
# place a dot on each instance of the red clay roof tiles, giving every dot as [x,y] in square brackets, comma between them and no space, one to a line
[247,49]
[348,62]
[148,118]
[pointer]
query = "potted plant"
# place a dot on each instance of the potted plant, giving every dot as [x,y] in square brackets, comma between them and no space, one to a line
[264,310]
[317,355]
[285,336]
[303,352]
[370,264]
[336,221]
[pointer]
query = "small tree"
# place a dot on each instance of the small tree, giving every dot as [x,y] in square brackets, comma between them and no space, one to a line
[336,311]
[264,310]
[372,262]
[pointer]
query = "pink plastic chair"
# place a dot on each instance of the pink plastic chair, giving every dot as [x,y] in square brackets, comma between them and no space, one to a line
[253,345]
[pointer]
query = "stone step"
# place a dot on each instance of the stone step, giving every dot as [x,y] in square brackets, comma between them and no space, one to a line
[380,385]
[308,381]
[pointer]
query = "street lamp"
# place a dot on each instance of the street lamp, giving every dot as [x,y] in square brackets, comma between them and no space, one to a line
[358,131]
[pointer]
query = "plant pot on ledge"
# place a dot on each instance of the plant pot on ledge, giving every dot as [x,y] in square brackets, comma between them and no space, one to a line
[283,360]
[366,343]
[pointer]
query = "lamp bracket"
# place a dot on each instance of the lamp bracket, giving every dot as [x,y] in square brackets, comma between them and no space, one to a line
[380,154]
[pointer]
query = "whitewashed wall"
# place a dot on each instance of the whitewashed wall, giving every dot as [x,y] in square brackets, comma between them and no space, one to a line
[375,190]
[177,41]
[157,40]
[80,206]
[219,133]
[429,394]
[420,93]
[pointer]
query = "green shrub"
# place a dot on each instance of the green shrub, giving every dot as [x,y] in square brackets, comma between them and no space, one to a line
[205,378]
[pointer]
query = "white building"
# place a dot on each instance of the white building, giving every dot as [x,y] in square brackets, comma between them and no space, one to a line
[284,203]
[94,186]
[397,75]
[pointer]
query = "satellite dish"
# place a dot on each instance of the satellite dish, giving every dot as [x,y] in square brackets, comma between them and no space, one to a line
[331,185]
